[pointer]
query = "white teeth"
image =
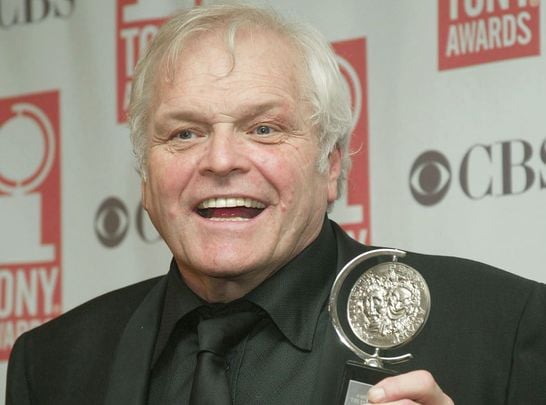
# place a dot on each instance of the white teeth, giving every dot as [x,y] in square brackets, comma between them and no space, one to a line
[230,202]
[230,219]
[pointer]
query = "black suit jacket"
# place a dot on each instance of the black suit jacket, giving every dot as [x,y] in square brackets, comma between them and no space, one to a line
[484,342]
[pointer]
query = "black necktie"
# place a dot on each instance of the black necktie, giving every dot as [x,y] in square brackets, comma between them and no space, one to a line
[218,334]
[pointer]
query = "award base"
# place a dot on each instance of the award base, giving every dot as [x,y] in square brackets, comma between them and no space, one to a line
[357,381]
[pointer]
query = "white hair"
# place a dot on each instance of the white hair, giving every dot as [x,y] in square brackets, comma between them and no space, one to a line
[324,87]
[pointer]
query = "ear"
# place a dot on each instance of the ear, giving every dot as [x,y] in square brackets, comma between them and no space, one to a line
[334,171]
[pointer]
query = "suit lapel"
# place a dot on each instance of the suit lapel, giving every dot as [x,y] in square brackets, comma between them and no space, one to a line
[334,352]
[347,247]
[129,376]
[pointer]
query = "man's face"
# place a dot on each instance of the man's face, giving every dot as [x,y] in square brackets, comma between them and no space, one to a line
[232,184]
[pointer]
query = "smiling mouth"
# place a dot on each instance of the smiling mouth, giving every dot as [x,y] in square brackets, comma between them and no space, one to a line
[230,209]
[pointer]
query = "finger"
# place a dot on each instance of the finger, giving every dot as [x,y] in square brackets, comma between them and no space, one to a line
[418,386]
[401,402]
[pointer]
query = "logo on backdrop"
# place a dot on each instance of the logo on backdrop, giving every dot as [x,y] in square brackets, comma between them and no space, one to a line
[430,177]
[472,32]
[21,12]
[352,210]
[113,222]
[500,169]
[137,22]
[30,235]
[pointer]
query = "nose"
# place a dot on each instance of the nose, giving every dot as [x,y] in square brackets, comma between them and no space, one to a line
[223,154]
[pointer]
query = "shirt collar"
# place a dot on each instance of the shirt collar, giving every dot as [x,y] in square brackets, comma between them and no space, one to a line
[295,296]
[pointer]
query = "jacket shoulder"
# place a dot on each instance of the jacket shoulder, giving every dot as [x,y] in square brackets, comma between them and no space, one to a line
[112,307]
[96,323]
[74,350]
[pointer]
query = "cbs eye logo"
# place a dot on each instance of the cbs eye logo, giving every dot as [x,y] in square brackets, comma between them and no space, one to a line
[111,222]
[430,177]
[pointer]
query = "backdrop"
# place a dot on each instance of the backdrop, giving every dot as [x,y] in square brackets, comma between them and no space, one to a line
[449,140]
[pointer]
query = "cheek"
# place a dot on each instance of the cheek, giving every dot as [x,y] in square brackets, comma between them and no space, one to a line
[284,170]
[294,176]
[168,176]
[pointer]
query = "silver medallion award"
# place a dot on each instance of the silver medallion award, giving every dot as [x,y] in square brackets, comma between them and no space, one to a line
[383,307]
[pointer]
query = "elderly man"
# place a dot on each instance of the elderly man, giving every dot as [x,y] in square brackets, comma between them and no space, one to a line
[240,123]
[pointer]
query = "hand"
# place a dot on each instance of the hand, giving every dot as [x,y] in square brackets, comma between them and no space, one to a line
[416,387]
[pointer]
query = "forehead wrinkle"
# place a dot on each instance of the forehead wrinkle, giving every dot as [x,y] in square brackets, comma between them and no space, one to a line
[241,113]
[191,79]
[237,84]
[244,93]
[251,45]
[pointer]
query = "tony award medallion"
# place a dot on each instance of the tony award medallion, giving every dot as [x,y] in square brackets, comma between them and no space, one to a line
[383,307]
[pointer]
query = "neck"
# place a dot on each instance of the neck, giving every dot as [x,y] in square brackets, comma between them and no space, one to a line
[223,288]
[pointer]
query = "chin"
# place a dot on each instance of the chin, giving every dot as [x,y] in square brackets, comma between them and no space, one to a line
[233,272]
[229,273]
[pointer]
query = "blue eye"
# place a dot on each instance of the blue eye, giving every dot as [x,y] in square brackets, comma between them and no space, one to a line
[263,130]
[185,134]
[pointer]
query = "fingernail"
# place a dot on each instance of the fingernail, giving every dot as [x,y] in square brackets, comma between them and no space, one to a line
[376,394]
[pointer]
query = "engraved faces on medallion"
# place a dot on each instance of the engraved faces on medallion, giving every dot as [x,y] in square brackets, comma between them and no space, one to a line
[388,305]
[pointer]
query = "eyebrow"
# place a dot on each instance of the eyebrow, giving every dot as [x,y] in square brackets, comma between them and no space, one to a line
[244,113]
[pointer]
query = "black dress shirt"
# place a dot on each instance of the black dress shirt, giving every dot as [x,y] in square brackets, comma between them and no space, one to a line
[279,356]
